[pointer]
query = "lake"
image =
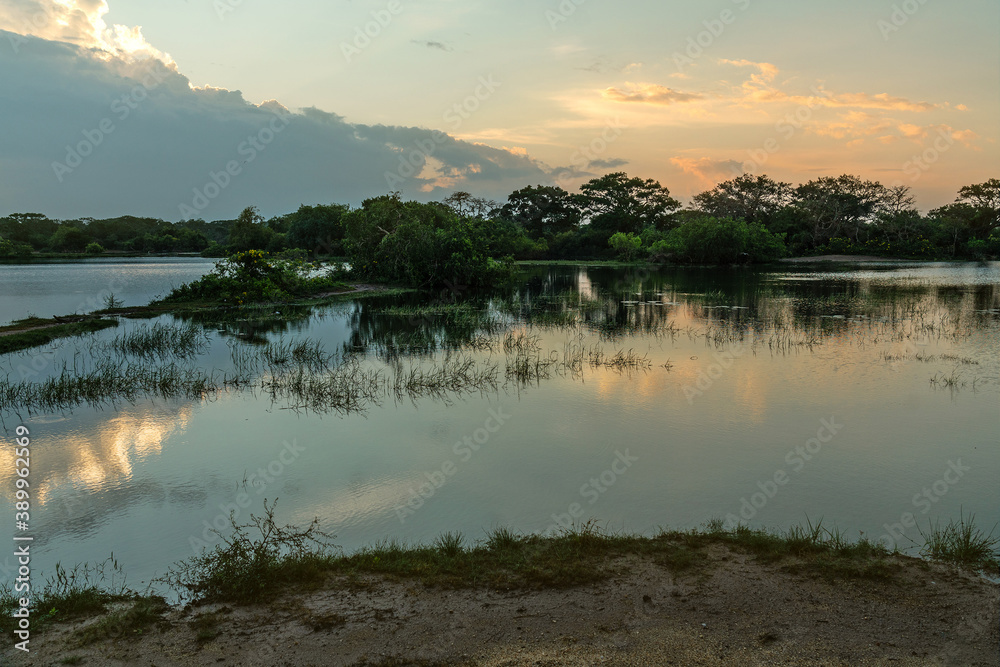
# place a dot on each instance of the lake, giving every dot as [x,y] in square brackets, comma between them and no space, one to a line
[51,288]
[636,398]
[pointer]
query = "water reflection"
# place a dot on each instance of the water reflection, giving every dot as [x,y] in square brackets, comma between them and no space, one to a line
[729,371]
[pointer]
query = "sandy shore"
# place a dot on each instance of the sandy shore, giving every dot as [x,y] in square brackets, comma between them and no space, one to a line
[730,610]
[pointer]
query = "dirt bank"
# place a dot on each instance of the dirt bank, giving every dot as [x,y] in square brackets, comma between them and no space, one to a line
[729,610]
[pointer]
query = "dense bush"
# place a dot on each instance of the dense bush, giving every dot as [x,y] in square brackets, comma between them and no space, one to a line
[10,249]
[422,245]
[708,240]
[626,245]
[254,277]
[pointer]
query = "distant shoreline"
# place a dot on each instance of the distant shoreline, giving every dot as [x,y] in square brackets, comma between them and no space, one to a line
[848,258]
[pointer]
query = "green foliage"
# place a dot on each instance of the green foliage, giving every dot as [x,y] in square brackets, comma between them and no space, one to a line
[253,277]
[317,229]
[94,249]
[429,244]
[752,198]
[963,543]
[915,248]
[11,249]
[543,211]
[421,245]
[618,203]
[258,559]
[626,245]
[708,240]
[70,239]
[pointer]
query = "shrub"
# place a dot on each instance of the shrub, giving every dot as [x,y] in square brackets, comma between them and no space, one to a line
[94,249]
[421,245]
[709,240]
[254,277]
[626,245]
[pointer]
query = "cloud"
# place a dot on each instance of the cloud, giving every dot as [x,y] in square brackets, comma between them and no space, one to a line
[707,170]
[649,93]
[440,46]
[854,126]
[79,22]
[611,163]
[766,71]
[133,136]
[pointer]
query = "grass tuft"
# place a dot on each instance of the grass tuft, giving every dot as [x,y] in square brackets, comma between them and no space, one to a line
[962,543]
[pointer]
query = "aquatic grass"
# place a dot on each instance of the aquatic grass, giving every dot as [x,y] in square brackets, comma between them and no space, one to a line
[455,375]
[346,388]
[620,360]
[159,341]
[109,383]
[307,353]
[962,543]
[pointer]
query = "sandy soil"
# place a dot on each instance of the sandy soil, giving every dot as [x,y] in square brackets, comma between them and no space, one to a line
[732,611]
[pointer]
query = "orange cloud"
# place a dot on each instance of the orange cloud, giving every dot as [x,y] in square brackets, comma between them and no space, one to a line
[649,93]
[708,170]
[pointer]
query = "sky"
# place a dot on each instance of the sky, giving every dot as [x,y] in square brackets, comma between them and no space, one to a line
[197,109]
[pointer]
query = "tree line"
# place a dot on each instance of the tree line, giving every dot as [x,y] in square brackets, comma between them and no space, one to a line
[744,219]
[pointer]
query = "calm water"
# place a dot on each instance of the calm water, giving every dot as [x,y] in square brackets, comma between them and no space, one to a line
[64,288]
[855,396]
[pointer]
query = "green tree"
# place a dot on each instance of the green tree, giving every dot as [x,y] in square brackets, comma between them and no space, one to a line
[542,210]
[69,238]
[423,245]
[318,229]
[752,198]
[984,198]
[249,231]
[626,245]
[841,206]
[708,240]
[467,206]
[617,203]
